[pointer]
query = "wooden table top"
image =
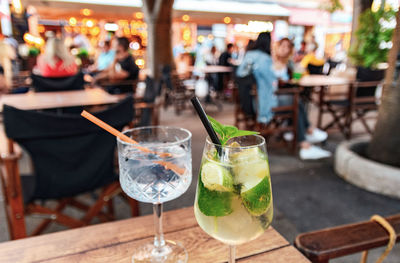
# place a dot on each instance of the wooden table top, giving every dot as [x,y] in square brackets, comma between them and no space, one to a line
[212,69]
[58,99]
[114,242]
[322,80]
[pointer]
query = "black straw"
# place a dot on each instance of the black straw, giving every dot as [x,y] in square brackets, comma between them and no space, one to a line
[203,117]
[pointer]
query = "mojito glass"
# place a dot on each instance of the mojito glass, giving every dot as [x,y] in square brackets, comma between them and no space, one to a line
[234,199]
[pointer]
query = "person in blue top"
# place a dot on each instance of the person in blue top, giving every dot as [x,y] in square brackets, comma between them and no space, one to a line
[105,58]
[258,62]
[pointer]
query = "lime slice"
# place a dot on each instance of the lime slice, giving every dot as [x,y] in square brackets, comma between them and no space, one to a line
[213,203]
[256,195]
[250,163]
[216,177]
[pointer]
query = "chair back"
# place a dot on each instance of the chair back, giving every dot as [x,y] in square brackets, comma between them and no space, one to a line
[365,88]
[70,155]
[45,84]
[315,70]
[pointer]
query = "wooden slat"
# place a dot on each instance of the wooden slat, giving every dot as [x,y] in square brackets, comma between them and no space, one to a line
[283,255]
[344,240]
[91,237]
[201,248]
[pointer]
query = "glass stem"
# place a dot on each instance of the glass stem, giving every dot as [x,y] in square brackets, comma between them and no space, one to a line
[159,241]
[232,254]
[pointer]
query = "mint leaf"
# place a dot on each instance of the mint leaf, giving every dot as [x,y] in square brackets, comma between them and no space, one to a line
[218,127]
[227,132]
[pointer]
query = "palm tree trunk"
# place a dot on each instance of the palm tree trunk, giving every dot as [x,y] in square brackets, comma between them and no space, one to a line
[385,144]
[158,17]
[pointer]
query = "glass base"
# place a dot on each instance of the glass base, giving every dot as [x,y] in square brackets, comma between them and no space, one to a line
[171,252]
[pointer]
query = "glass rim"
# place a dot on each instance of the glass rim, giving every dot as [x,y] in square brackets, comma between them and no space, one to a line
[208,140]
[158,145]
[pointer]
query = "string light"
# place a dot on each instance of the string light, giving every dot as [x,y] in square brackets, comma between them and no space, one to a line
[185,18]
[227,20]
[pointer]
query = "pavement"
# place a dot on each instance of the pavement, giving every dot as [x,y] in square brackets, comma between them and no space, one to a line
[307,195]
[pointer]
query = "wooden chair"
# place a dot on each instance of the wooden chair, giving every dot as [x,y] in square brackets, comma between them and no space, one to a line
[179,95]
[46,84]
[284,120]
[347,107]
[70,156]
[362,101]
[323,245]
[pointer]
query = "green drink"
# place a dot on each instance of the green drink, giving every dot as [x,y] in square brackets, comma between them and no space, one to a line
[234,199]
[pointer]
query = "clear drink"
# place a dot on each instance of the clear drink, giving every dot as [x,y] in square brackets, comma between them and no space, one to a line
[155,170]
[234,199]
[143,179]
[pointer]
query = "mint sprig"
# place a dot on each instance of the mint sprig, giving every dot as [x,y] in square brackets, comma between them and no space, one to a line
[227,132]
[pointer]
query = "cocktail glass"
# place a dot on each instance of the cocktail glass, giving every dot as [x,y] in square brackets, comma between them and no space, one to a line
[157,171]
[233,198]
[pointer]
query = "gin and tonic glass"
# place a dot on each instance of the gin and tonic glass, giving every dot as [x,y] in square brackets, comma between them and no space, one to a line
[233,198]
[156,170]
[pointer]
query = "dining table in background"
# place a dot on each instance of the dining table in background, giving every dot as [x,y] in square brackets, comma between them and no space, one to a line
[58,99]
[322,81]
[115,242]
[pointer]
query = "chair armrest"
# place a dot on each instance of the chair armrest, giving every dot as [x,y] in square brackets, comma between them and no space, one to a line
[329,243]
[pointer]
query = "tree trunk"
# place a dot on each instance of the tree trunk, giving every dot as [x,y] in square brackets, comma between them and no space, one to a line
[158,17]
[359,6]
[385,144]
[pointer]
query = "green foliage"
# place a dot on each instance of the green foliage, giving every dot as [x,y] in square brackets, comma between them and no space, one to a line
[83,53]
[371,32]
[227,132]
[332,6]
[33,51]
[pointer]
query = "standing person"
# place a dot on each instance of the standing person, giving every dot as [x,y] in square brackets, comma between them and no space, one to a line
[306,133]
[211,59]
[122,69]
[225,59]
[56,61]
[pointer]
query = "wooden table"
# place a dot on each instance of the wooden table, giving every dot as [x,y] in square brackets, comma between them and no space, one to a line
[114,242]
[322,80]
[212,69]
[58,99]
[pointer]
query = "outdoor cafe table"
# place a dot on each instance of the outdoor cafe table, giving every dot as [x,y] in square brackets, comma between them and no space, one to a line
[58,99]
[115,242]
[322,80]
[211,69]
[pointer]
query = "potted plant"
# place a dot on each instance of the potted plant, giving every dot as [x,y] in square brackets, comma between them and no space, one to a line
[33,53]
[372,43]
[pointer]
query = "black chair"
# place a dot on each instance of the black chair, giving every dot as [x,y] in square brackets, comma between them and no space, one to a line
[45,84]
[314,70]
[70,156]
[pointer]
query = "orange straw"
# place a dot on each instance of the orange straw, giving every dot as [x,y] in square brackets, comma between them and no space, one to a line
[125,138]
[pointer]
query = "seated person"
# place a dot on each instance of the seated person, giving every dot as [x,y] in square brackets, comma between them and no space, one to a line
[282,67]
[310,62]
[105,58]
[56,61]
[122,72]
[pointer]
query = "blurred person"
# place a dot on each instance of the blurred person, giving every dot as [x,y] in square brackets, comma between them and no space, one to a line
[7,54]
[105,58]
[80,41]
[122,68]
[311,62]
[211,57]
[56,60]
[299,55]
[259,63]
[225,59]
[306,134]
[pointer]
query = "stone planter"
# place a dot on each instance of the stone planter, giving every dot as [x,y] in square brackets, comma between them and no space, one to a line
[365,173]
